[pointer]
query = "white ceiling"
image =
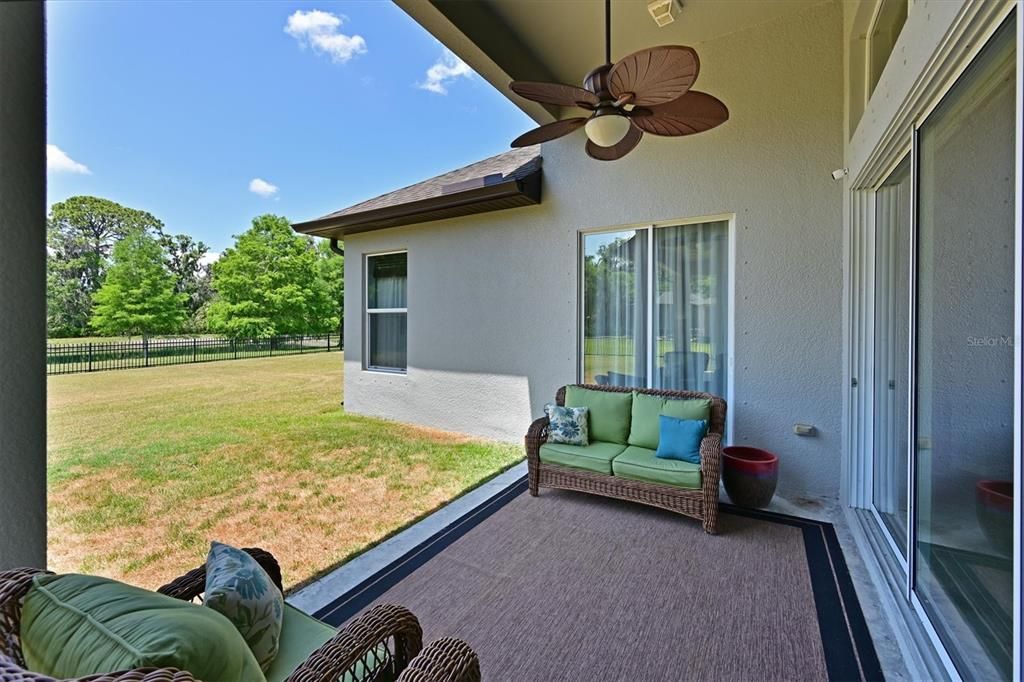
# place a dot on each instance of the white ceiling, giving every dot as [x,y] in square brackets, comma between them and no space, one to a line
[568,35]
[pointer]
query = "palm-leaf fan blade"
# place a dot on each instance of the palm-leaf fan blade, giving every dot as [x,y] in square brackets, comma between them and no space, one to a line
[554,93]
[548,131]
[692,113]
[654,76]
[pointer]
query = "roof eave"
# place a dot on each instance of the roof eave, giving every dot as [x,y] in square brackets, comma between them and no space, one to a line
[511,193]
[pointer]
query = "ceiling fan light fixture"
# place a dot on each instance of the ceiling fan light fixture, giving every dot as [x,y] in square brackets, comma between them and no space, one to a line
[607,127]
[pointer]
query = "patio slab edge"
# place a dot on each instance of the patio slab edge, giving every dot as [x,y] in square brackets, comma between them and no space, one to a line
[321,592]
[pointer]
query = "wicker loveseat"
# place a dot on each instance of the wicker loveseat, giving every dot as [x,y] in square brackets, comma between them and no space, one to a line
[631,473]
[385,643]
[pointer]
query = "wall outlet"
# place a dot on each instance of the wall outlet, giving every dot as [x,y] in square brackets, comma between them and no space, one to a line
[805,430]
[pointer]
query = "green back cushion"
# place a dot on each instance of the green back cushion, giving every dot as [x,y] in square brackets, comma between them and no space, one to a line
[609,412]
[78,625]
[647,408]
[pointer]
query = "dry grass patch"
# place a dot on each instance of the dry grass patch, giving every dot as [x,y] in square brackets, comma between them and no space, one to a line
[147,466]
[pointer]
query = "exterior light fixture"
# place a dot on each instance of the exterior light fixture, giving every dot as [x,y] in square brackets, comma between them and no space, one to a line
[661,11]
[606,127]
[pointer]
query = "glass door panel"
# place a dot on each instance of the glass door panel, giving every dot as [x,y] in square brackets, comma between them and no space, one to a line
[891,351]
[964,403]
[615,308]
[691,307]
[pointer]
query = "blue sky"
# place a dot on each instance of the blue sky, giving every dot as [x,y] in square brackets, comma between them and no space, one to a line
[178,107]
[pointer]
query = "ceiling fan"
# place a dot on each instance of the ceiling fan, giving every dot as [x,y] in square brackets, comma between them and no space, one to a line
[644,92]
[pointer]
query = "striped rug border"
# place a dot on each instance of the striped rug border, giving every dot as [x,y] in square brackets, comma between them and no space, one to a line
[849,650]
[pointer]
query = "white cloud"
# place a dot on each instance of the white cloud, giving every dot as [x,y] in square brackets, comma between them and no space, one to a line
[59,162]
[319,30]
[210,258]
[262,187]
[447,68]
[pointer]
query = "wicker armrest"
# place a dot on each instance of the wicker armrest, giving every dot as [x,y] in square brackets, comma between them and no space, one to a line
[444,660]
[537,435]
[711,457]
[359,642]
[193,583]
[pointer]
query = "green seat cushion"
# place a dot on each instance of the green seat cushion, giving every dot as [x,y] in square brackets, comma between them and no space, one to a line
[640,464]
[301,635]
[78,625]
[594,457]
[609,412]
[647,408]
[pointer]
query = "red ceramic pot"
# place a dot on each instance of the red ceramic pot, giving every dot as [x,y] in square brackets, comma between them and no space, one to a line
[994,508]
[750,475]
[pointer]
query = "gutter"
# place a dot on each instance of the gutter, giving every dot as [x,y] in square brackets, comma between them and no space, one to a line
[505,194]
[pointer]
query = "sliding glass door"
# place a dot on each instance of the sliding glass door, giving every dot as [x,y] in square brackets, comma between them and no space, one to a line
[942,412]
[891,351]
[615,308]
[655,307]
[965,362]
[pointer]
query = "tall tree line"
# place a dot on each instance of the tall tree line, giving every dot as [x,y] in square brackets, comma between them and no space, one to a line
[116,270]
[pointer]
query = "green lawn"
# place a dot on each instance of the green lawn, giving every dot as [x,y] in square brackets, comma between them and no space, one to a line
[146,466]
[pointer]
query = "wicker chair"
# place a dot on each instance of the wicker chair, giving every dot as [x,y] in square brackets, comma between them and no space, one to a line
[358,644]
[700,504]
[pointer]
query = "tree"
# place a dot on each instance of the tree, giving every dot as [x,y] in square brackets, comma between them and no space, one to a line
[332,271]
[184,258]
[81,233]
[269,283]
[138,294]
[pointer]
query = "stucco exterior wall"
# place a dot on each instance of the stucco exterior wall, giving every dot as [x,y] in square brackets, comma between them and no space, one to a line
[493,299]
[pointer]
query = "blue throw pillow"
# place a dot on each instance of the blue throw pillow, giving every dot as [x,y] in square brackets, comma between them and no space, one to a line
[680,438]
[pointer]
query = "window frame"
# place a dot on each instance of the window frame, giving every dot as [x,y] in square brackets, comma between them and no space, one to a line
[649,228]
[368,312]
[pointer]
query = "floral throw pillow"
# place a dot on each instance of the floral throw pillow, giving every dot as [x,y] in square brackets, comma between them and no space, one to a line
[568,425]
[239,588]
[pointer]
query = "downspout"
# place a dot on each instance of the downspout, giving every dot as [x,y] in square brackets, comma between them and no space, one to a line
[341,324]
[341,321]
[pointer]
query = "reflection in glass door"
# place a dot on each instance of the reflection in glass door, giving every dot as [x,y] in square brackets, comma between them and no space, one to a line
[964,361]
[891,351]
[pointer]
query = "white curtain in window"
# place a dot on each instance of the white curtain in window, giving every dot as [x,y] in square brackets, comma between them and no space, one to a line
[691,307]
[614,318]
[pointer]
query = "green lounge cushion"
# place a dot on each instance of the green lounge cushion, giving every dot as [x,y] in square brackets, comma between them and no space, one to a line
[594,457]
[238,587]
[79,625]
[301,635]
[609,412]
[641,464]
[647,408]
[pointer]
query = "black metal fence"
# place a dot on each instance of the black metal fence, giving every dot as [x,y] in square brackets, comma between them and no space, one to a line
[72,358]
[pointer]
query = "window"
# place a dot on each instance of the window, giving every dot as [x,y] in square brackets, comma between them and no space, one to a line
[656,307]
[386,312]
[885,29]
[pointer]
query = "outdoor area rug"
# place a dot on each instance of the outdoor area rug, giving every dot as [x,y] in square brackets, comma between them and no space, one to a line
[567,586]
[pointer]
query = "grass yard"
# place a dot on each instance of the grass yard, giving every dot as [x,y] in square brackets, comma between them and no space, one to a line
[146,466]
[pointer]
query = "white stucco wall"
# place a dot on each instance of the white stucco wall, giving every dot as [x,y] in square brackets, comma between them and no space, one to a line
[493,298]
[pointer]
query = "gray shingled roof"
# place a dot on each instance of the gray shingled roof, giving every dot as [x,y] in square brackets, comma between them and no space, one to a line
[511,165]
